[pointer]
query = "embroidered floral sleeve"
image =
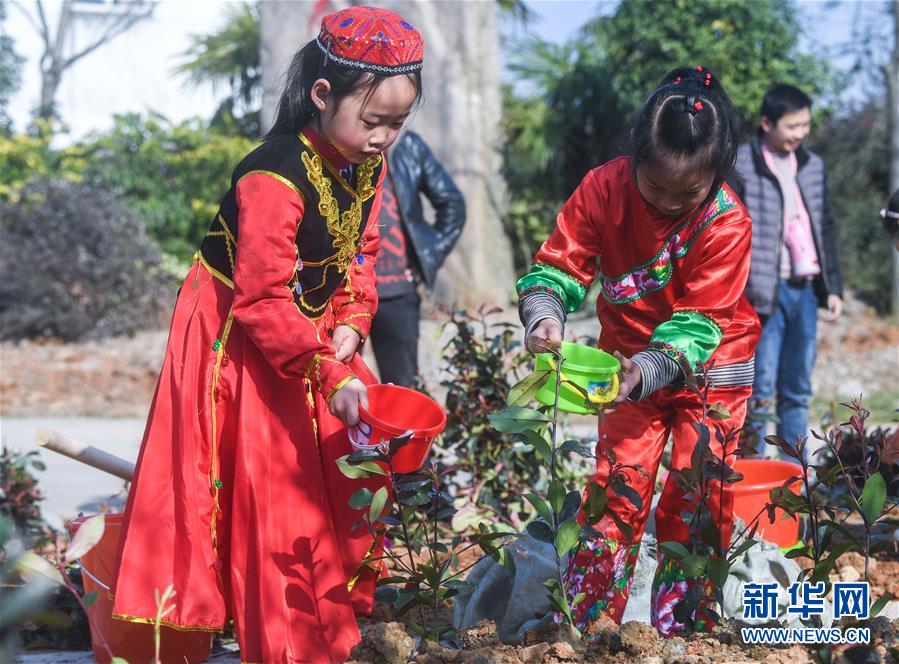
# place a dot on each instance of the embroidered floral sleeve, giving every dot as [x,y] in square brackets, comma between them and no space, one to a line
[713,289]
[356,299]
[694,335]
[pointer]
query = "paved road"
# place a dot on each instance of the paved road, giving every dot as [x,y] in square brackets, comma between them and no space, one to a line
[71,487]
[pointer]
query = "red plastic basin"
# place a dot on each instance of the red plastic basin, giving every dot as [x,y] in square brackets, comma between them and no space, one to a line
[132,641]
[752,493]
[393,411]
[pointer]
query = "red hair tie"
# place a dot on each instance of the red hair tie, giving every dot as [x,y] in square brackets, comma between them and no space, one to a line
[698,106]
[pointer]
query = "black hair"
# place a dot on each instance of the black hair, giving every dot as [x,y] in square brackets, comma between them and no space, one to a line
[295,107]
[688,122]
[890,215]
[782,99]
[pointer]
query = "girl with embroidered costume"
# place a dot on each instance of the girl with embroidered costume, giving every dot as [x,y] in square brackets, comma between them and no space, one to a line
[237,500]
[672,243]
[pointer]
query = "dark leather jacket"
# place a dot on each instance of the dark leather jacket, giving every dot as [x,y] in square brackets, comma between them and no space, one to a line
[413,169]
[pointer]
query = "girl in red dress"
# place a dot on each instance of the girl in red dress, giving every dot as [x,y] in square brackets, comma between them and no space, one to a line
[672,242]
[237,501]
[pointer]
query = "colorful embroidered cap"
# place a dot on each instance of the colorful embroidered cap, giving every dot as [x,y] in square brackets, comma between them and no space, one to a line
[371,39]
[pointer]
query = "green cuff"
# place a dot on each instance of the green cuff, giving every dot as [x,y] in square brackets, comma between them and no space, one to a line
[542,277]
[694,335]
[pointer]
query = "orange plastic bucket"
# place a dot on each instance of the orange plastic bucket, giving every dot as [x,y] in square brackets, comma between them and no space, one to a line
[394,411]
[752,493]
[132,641]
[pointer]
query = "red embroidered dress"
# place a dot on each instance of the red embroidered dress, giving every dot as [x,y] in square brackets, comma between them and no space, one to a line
[672,287]
[237,501]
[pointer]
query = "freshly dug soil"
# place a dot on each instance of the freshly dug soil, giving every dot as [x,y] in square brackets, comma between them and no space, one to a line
[632,642]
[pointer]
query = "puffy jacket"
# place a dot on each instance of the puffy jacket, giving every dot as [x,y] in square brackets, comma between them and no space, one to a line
[414,170]
[757,186]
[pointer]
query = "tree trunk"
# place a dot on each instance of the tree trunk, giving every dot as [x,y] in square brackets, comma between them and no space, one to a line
[50,79]
[893,110]
[459,119]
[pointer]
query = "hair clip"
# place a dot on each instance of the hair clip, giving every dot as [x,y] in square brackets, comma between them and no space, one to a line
[698,106]
[698,67]
[707,82]
[677,80]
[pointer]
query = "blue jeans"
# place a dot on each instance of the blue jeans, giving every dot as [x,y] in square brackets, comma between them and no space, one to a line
[784,360]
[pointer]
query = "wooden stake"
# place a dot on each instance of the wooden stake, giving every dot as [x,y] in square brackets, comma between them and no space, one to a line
[86,454]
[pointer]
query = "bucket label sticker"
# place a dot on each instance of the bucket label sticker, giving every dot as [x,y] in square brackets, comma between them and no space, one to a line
[595,386]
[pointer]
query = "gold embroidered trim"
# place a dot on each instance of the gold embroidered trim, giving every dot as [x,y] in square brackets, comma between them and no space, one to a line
[280,178]
[214,479]
[338,386]
[166,623]
[215,273]
[354,329]
[360,314]
[374,161]
[343,226]
[230,242]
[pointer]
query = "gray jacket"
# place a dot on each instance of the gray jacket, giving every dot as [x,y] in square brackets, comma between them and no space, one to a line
[757,186]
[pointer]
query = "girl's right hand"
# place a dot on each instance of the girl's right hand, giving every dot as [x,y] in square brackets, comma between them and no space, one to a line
[547,335]
[344,405]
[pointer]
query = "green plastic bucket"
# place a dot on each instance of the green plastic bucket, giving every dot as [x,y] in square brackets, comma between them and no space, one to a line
[585,366]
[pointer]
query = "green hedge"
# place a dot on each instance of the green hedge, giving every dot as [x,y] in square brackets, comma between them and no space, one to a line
[171,176]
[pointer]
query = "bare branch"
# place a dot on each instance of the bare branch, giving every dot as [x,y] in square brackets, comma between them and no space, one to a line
[39,28]
[112,31]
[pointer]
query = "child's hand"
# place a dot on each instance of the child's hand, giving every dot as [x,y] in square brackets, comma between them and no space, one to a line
[628,378]
[344,405]
[345,342]
[547,335]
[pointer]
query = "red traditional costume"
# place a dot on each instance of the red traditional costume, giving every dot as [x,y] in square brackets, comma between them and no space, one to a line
[672,296]
[237,500]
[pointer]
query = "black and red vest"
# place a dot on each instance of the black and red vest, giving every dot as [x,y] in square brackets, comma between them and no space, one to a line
[335,212]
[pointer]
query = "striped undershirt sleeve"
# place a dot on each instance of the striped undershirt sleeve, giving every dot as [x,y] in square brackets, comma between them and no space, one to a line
[657,370]
[535,307]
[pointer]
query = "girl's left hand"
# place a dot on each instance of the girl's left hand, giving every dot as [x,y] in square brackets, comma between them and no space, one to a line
[345,342]
[628,378]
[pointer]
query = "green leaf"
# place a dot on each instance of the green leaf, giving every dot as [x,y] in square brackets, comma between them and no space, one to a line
[541,506]
[541,445]
[353,472]
[557,496]
[577,599]
[571,506]
[86,538]
[718,411]
[580,447]
[879,605]
[567,536]
[561,604]
[377,503]
[118,660]
[675,550]
[694,566]
[523,393]
[718,569]
[596,503]
[874,497]
[30,563]
[371,468]
[517,420]
[745,545]
[540,531]
[361,498]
